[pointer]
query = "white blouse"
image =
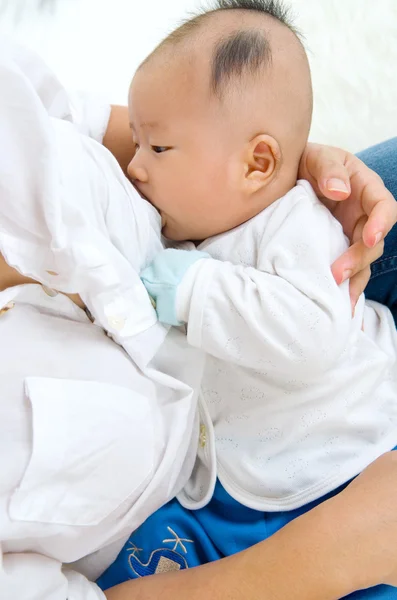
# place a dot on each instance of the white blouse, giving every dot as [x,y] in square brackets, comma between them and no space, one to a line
[94,435]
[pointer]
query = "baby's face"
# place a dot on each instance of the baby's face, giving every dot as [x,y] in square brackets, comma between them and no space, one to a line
[186,160]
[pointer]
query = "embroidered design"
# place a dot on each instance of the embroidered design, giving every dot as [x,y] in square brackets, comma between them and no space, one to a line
[161,560]
[178,540]
[202,439]
[133,548]
[166,564]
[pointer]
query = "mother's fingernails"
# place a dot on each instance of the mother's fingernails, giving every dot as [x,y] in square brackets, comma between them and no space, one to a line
[337,185]
[377,238]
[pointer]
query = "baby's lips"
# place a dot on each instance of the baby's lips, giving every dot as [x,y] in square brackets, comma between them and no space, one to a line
[142,195]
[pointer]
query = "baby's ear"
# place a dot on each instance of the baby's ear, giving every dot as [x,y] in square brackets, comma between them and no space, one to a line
[262,160]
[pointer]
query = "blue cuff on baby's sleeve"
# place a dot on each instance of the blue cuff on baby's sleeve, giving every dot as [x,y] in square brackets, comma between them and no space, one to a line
[163,276]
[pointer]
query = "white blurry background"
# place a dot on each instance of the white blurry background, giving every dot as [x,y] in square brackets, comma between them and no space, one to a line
[97,44]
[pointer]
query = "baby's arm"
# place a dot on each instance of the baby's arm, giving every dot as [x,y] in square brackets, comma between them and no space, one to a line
[289,314]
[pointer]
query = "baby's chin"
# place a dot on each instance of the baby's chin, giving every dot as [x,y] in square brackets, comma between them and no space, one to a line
[177,232]
[173,233]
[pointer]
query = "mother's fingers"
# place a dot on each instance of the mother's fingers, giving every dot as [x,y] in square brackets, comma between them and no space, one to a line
[357,285]
[357,258]
[376,202]
[382,216]
[324,167]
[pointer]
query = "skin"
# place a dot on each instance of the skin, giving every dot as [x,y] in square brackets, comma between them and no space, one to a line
[367,217]
[316,556]
[197,198]
[9,277]
[355,194]
[327,553]
[210,163]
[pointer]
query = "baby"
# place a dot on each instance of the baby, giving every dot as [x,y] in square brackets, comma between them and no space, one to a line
[298,395]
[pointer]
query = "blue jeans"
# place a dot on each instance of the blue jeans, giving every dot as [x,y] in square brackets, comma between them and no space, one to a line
[383,283]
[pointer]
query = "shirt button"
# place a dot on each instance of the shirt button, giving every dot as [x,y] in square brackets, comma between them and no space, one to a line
[6,308]
[116,323]
[203,436]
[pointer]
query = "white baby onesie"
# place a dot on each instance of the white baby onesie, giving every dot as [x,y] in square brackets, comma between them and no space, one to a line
[298,396]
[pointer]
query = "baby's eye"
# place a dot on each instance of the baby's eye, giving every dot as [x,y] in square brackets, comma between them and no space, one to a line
[160,149]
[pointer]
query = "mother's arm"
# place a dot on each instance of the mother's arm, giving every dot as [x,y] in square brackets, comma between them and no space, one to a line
[346,543]
[118,137]
[301,561]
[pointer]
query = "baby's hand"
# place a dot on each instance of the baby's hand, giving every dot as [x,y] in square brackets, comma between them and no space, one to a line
[162,278]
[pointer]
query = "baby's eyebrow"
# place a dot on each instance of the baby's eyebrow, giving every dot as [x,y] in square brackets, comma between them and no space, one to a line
[150,124]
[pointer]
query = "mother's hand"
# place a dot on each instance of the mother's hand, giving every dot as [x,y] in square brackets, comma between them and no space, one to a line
[367,216]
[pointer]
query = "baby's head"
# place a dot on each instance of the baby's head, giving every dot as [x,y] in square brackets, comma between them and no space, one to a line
[220,114]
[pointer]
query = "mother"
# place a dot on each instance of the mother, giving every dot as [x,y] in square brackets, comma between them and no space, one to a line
[73,405]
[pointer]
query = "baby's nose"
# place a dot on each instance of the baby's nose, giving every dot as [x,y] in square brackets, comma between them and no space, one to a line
[137,173]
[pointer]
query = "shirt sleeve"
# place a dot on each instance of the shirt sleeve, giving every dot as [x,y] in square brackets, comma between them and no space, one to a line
[30,576]
[88,112]
[288,314]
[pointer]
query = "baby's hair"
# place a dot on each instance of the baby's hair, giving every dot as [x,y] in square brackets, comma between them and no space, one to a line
[244,51]
[241,52]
